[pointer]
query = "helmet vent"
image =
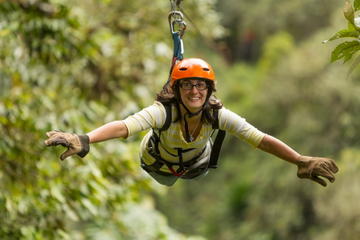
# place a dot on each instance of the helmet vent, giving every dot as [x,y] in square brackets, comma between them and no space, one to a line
[183,69]
[206,69]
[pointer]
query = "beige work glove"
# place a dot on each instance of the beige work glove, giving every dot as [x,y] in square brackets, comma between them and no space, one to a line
[76,144]
[316,167]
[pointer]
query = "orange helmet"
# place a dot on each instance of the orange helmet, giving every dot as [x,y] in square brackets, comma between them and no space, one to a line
[191,68]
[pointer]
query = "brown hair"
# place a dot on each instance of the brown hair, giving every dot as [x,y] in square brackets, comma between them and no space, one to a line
[170,95]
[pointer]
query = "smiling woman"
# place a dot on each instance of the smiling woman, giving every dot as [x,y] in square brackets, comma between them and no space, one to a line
[191,86]
[182,121]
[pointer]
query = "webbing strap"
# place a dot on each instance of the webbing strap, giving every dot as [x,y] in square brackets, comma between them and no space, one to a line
[181,170]
[178,51]
[168,117]
[215,151]
[178,46]
[181,161]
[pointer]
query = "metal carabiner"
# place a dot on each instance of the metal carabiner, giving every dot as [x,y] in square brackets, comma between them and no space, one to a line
[177,18]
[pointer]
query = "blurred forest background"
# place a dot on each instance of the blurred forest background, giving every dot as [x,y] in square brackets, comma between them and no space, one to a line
[73,65]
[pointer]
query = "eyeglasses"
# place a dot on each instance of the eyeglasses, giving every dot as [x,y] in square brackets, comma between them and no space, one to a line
[200,85]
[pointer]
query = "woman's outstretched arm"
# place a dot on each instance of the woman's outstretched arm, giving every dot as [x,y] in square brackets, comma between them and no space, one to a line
[80,144]
[308,167]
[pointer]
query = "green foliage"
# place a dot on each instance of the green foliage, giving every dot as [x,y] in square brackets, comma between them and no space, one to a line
[253,21]
[346,190]
[275,49]
[72,66]
[348,49]
[48,32]
[345,33]
[345,50]
[240,82]
[239,198]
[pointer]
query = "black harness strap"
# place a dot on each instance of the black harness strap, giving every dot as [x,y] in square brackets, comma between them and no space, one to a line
[168,119]
[215,151]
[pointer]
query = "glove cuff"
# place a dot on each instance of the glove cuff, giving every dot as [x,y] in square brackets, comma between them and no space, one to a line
[85,145]
[302,161]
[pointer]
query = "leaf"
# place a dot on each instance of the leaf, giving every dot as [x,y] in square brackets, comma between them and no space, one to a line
[351,26]
[357,5]
[345,50]
[349,12]
[344,34]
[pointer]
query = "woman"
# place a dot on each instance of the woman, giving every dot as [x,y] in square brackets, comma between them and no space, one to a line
[182,122]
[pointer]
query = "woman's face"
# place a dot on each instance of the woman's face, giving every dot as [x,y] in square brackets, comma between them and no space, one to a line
[193,93]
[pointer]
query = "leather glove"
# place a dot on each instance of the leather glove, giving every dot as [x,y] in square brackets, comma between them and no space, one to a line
[76,144]
[316,167]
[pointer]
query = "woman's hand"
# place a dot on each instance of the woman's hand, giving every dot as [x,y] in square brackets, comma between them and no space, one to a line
[316,167]
[76,144]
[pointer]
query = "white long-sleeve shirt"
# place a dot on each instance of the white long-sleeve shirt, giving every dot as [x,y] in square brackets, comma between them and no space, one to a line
[154,116]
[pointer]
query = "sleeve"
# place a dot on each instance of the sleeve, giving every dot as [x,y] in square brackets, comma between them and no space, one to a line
[239,127]
[150,117]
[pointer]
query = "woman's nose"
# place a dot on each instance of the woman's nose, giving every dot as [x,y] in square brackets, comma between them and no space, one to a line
[194,89]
